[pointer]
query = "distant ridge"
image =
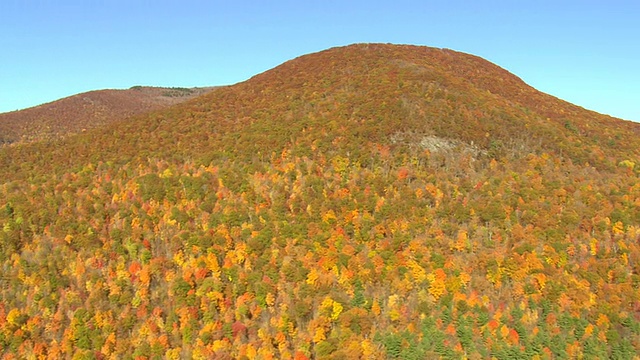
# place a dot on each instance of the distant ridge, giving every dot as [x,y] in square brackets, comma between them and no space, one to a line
[88,110]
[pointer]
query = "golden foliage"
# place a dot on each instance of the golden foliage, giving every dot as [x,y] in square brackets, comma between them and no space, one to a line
[403,212]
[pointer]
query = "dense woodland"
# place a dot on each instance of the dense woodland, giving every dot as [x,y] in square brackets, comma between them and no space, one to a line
[365,202]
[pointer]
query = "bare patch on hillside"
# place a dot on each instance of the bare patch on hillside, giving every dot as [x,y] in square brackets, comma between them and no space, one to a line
[435,144]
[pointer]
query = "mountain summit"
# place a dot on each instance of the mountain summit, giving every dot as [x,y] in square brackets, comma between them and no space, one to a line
[370,201]
[381,92]
[389,94]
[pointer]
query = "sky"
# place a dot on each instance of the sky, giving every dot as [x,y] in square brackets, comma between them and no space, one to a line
[583,51]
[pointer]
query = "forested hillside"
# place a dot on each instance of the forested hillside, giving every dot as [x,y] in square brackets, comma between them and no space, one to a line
[371,201]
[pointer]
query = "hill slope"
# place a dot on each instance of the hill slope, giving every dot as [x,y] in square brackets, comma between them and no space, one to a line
[88,110]
[370,201]
[377,93]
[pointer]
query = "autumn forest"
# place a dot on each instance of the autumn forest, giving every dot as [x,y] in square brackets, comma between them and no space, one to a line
[365,202]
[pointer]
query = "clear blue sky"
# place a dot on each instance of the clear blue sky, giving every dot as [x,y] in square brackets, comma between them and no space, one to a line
[586,52]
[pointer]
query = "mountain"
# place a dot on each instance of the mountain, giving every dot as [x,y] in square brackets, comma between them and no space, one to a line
[88,110]
[370,201]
